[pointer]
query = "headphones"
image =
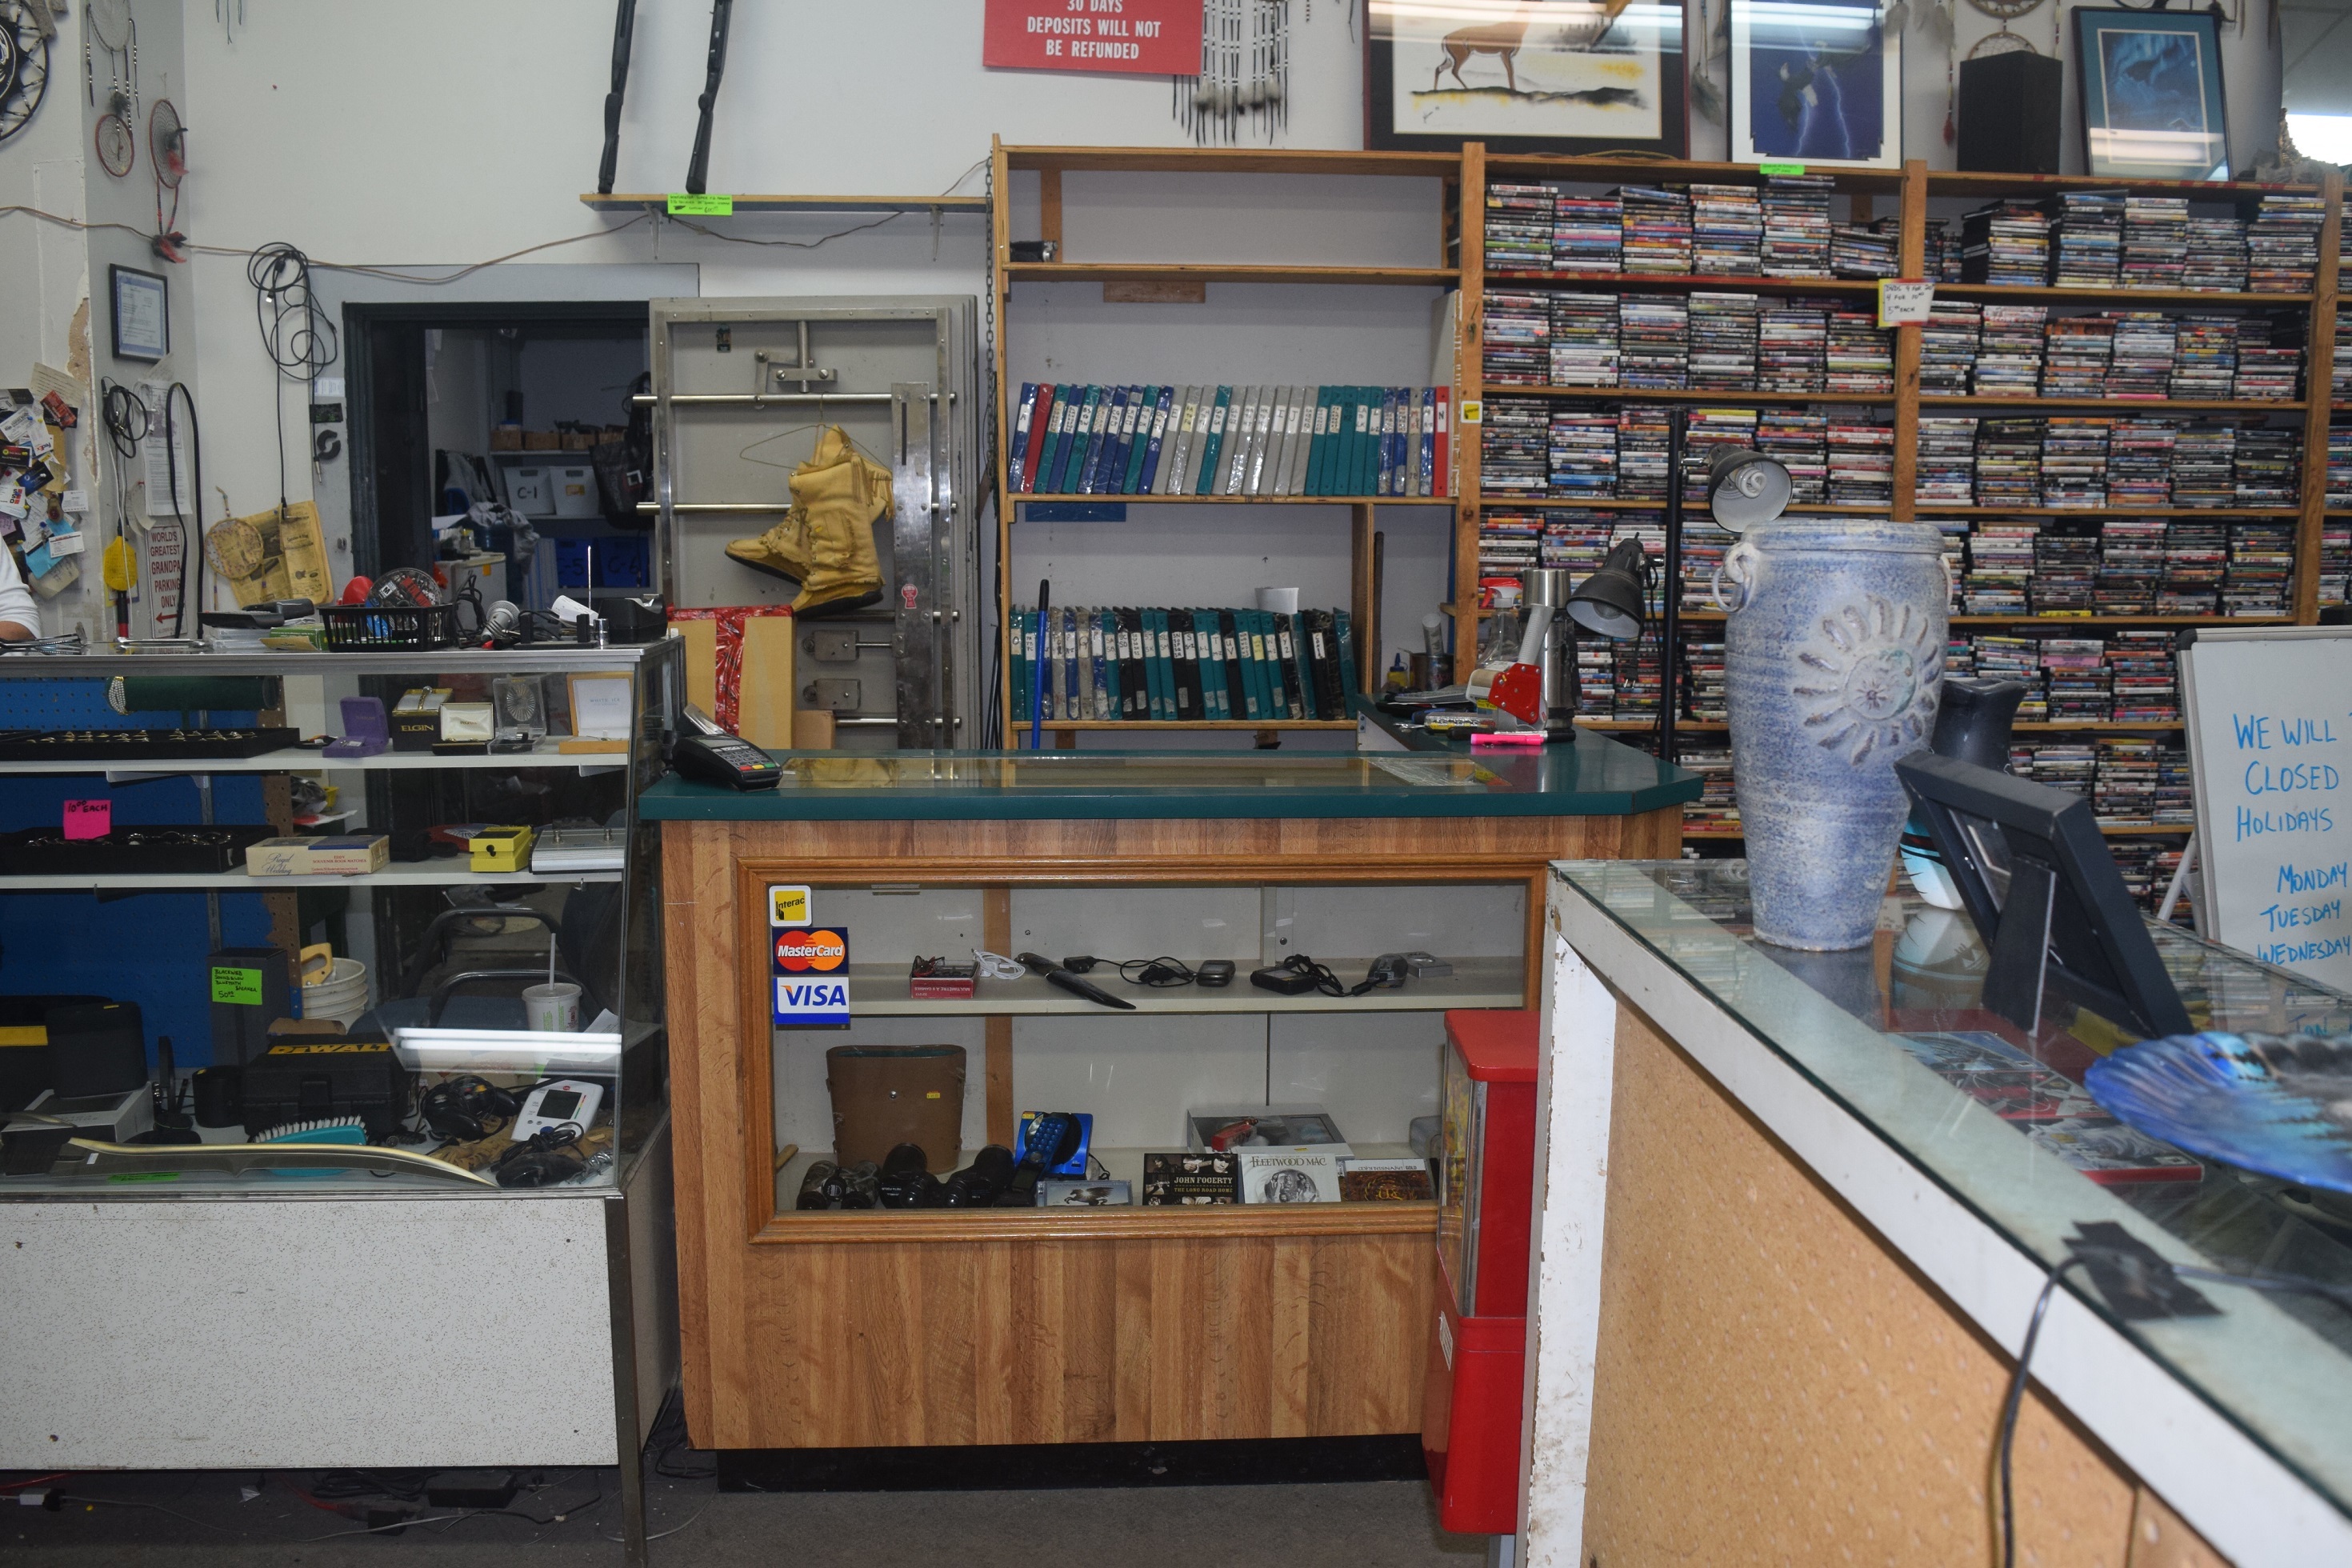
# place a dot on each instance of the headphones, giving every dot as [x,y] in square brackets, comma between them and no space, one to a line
[465,1108]
[548,1156]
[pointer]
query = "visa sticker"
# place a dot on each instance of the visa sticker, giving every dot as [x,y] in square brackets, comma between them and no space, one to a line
[788,906]
[812,979]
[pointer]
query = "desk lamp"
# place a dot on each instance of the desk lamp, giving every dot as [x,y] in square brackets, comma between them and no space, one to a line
[1538,687]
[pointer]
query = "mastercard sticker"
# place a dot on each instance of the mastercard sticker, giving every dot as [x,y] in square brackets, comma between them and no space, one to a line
[812,979]
[814,950]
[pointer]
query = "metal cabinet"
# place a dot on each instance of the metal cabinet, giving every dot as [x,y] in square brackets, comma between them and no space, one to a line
[741,389]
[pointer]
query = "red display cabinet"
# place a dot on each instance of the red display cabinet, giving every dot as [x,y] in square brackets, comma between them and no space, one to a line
[1477,1346]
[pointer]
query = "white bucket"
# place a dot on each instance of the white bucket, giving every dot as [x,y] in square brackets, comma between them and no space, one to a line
[342,996]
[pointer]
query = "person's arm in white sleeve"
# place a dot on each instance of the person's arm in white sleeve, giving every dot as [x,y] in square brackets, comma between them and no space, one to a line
[20,618]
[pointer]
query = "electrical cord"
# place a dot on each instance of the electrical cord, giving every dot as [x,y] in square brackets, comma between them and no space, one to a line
[297,339]
[192,542]
[2008,1409]
[1324,980]
[1161,974]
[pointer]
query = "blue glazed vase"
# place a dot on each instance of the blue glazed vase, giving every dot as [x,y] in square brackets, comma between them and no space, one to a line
[1833,658]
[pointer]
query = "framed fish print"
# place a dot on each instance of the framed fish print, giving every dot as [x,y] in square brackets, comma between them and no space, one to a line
[1819,84]
[1525,75]
[2151,95]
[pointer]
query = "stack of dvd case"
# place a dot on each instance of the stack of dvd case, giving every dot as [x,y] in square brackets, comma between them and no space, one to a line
[1727,231]
[1643,433]
[1508,543]
[1577,539]
[2205,357]
[1703,682]
[2140,362]
[2075,353]
[2266,467]
[1861,356]
[2204,467]
[1948,344]
[1703,546]
[2008,360]
[2262,557]
[2175,793]
[1862,463]
[2139,462]
[2131,563]
[1954,532]
[1654,342]
[2070,765]
[2009,462]
[2340,380]
[2269,359]
[2339,465]
[2006,243]
[2283,244]
[1717,810]
[2146,688]
[1864,250]
[1517,338]
[2216,256]
[1588,234]
[1519,228]
[2074,461]
[2196,555]
[1943,251]
[2001,567]
[1658,228]
[1583,340]
[2065,570]
[1947,460]
[2334,560]
[1797,225]
[2124,795]
[2156,241]
[2074,679]
[1792,346]
[1583,453]
[1799,440]
[1514,445]
[1723,337]
[2086,239]
[2006,656]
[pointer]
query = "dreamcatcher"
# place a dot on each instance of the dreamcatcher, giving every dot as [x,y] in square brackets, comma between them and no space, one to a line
[1245,70]
[24,63]
[109,25]
[167,149]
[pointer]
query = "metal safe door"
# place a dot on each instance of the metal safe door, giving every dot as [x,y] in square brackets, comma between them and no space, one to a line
[741,391]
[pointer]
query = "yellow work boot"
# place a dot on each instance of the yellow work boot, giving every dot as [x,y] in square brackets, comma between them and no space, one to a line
[782,552]
[840,492]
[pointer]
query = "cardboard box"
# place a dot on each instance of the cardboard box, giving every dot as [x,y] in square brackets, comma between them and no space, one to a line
[739,668]
[350,854]
[278,857]
[506,437]
[542,441]
[416,718]
[503,849]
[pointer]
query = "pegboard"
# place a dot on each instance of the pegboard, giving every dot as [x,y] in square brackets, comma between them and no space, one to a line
[37,702]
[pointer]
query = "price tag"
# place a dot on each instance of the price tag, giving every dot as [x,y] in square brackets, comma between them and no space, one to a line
[1902,304]
[1780,168]
[88,818]
[683,204]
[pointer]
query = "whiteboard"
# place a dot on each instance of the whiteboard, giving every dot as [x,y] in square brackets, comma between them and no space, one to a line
[2269,711]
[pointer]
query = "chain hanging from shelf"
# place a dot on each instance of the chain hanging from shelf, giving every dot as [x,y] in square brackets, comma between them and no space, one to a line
[1245,71]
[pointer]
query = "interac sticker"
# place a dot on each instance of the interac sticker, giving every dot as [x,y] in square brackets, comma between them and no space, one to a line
[812,978]
[788,906]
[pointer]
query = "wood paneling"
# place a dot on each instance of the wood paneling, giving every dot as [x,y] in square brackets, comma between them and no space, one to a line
[1017,1327]
[1774,1385]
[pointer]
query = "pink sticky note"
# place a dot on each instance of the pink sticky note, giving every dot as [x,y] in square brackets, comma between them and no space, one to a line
[88,818]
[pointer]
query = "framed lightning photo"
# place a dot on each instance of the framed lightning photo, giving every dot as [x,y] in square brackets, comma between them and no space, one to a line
[1817,84]
[1525,75]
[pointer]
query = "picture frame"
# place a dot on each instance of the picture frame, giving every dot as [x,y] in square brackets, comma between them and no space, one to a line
[1598,79]
[1820,84]
[599,707]
[2150,83]
[142,317]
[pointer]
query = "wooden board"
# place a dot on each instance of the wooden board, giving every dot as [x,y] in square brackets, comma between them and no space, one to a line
[1775,1386]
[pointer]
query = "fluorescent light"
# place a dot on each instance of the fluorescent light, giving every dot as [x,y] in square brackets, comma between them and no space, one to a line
[2326,137]
[506,1051]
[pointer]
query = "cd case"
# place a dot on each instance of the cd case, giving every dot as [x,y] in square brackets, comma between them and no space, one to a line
[1188,1177]
[1290,1175]
[1264,1127]
[1059,1194]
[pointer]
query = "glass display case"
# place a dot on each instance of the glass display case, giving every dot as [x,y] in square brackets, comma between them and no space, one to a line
[1895,1035]
[256,907]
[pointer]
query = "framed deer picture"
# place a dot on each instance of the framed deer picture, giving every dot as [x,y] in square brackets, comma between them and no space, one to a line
[1819,84]
[1525,75]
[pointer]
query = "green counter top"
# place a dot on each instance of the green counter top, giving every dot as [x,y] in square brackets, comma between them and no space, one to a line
[1591,777]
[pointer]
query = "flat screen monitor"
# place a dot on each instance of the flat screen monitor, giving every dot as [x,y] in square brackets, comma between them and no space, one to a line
[2034,871]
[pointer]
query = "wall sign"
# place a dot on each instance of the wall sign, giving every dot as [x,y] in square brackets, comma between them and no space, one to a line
[1147,38]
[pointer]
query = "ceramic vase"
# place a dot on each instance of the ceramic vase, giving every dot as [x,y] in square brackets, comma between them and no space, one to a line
[1834,656]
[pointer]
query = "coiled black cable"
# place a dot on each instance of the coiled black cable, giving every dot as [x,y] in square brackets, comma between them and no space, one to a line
[191,539]
[297,339]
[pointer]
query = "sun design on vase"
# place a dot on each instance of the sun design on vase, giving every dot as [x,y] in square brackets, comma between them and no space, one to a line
[1879,667]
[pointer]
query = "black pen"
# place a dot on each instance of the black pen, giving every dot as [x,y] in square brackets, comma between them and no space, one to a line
[1075,984]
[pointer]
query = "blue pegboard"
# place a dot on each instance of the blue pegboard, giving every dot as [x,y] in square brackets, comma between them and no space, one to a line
[621,562]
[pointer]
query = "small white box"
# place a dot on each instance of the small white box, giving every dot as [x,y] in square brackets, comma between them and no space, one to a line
[573,487]
[530,490]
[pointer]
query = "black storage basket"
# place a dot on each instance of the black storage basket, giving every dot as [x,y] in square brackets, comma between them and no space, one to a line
[389,629]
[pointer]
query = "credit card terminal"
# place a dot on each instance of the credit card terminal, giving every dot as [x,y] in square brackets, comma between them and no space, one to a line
[709,754]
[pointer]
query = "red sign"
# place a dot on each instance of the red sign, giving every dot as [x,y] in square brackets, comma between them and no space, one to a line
[1149,37]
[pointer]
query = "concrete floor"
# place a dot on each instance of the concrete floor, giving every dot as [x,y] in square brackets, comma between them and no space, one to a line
[204,1519]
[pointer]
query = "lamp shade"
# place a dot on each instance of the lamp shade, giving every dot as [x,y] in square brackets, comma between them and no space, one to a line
[1611,602]
[1744,488]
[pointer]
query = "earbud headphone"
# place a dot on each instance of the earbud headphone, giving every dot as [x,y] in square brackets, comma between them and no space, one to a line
[464,1108]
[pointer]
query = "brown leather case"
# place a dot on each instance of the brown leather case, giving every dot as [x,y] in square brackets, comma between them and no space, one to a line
[884,1096]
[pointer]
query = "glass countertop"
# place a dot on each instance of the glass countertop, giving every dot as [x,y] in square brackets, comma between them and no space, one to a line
[1895,1033]
[1591,776]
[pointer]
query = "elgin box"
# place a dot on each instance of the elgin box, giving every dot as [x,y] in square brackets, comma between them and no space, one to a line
[1477,1347]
